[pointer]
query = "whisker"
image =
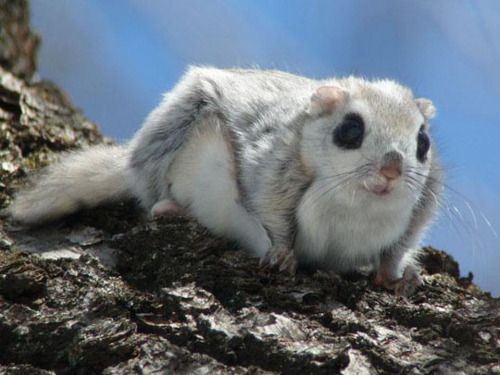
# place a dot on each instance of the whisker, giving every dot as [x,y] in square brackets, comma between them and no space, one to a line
[472,213]
[455,216]
[455,209]
[452,213]
[325,189]
[488,223]
[353,195]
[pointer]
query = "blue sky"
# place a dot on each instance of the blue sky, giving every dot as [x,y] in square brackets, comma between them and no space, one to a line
[116,57]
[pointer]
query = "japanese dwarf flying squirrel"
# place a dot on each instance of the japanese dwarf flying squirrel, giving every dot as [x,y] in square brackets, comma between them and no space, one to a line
[336,173]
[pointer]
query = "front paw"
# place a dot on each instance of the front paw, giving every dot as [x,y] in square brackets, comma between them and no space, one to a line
[404,286]
[281,257]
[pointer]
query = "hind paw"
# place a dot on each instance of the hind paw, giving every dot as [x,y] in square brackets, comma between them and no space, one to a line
[166,207]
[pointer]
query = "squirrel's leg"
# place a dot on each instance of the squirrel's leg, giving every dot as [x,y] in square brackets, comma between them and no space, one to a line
[280,255]
[391,263]
[165,131]
[203,182]
[400,259]
[276,208]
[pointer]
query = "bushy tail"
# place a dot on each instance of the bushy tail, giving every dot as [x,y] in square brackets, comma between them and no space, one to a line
[85,178]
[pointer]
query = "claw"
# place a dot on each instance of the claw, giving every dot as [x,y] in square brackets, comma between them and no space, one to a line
[281,257]
[289,264]
[409,283]
[403,287]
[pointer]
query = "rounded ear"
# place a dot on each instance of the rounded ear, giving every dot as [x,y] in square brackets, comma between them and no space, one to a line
[426,107]
[326,99]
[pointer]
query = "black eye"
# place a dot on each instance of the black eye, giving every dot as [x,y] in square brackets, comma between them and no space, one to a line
[349,134]
[423,145]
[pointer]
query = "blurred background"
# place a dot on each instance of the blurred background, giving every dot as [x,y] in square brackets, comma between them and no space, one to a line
[115,58]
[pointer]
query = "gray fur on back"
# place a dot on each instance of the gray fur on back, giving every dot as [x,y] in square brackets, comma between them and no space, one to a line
[236,96]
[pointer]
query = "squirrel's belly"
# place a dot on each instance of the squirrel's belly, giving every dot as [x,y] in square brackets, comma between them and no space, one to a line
[344,239]
[203,181]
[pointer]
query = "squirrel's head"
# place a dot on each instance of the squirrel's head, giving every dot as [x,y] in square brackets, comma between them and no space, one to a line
[369,138]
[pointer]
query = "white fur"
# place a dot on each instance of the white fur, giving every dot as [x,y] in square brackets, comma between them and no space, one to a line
[85,178]
[341,225]
[342,234]
[219,131]
[203,181]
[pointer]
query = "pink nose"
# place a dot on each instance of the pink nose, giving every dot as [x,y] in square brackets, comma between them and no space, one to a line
[391,170]
[392,162]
